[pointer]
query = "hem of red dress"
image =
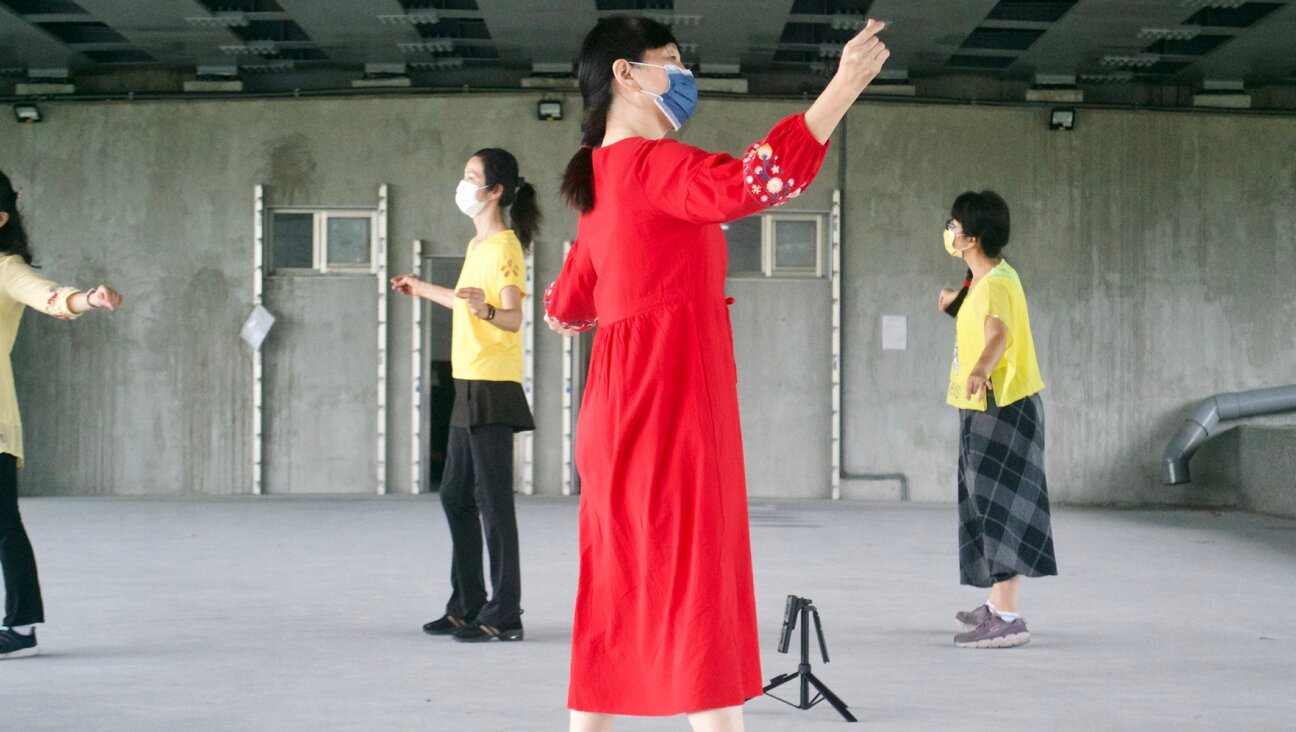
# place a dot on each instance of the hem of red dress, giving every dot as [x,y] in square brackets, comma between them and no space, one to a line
[669,710]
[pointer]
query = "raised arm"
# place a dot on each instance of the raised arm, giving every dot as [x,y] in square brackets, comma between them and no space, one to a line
[861,60]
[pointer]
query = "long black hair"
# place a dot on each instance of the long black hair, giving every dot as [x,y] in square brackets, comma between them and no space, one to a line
[983,216]
[500,168]
[617,37]
[13,237]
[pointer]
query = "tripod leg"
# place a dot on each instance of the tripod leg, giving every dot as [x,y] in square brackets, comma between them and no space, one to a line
[778,681]
[831,698]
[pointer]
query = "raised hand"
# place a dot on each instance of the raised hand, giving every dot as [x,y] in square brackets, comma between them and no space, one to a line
[861,61]
[863,56]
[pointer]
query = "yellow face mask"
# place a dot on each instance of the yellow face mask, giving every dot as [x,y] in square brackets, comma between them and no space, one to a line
[949,244]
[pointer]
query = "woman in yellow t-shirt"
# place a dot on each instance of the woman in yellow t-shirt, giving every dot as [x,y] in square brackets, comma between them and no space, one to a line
[21,287]
[1005,530]
[490,406]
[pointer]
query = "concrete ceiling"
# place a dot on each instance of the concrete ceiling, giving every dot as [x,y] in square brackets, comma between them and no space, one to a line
[1229,40]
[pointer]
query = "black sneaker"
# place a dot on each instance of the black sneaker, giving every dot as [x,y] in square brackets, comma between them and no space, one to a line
[481,633]
[17,645]
[444,625]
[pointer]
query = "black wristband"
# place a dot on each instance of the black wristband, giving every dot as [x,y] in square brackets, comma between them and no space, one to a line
[490,312]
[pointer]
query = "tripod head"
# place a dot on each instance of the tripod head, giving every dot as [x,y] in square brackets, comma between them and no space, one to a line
[803,607]
[790,613]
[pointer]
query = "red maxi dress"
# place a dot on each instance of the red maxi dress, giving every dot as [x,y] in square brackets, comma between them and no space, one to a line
[665,617]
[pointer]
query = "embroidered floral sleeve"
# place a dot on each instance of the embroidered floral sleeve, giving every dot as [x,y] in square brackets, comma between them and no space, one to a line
[23,284]
[715,188]
[570,299]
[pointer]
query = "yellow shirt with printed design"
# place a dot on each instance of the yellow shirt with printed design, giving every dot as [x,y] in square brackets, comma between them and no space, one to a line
[1017,375]
[479,351]
[22,287]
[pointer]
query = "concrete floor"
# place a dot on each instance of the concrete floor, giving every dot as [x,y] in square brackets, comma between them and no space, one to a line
[304,614]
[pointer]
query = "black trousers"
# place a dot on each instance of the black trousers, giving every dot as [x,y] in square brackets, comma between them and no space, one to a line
[477,490]
[22,587]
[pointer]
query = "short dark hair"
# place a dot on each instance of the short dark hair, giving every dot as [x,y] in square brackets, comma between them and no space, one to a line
[983,215]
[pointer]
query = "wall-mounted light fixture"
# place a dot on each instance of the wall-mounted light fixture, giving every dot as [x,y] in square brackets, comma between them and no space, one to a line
[27,113]
[549,110]
[1062,119]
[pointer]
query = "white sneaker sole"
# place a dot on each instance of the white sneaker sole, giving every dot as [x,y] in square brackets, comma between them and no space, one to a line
[24,653]
[1006,641]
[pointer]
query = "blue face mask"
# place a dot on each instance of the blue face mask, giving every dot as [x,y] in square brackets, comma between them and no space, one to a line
[680,99]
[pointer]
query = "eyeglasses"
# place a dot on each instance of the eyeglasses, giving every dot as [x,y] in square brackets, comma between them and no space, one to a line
[953,227]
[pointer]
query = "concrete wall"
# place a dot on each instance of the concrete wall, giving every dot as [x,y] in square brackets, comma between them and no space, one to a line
[1156,249]
[1253,464]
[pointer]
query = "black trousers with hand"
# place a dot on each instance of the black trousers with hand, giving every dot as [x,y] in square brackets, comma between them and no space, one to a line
[477,490]
[22,587]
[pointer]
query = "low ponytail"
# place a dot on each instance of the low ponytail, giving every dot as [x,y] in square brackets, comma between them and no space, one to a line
[953,308]
[578,180]
[613,38]
[525,215]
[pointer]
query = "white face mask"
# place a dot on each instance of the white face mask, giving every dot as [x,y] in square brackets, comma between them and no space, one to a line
[466,198]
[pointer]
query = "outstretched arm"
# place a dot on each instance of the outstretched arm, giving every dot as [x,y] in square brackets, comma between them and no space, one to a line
[24,284]
[408,284]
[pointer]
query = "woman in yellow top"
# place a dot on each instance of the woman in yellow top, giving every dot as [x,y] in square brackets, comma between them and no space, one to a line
[489,406]
[1005,532]
[22,287]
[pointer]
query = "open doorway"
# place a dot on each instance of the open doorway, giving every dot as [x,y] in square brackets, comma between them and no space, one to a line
[438,383]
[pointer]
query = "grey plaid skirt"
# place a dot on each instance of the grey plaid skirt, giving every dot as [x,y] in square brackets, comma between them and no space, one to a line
[1004,524]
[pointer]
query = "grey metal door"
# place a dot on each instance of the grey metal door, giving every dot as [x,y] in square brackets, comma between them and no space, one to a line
[321,366]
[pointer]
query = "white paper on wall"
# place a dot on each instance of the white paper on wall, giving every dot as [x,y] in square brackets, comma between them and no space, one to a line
[257,327]
[895,332]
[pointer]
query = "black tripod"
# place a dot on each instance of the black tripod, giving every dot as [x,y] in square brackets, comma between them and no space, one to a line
[803,607]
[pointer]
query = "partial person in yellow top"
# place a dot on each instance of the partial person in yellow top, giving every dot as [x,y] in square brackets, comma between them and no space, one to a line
[1005,528]
[489,406]
[21,287]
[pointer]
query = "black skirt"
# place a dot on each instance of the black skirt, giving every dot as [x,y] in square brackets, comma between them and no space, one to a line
[1005,528]
[479,403]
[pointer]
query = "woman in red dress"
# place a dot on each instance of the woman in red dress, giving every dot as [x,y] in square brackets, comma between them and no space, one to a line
[665,618]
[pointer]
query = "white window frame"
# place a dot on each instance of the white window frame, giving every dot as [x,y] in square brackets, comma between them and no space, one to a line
[768,250]
[769,267]
[319,240]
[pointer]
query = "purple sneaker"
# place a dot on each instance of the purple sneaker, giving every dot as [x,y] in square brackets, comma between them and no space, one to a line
[995,632]
[970,619]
